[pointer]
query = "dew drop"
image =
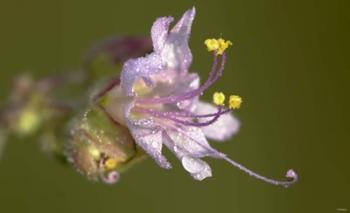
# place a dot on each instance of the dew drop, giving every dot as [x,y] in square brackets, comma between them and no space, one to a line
[176,149]
[203,174]
[193,165]
[155,144]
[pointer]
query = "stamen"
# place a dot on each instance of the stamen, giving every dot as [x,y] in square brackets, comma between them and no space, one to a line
[223,45]
[177,114]
[172,117]
[213,67]
[212,44]
[198,124]
[217,45]
[290,174]
[235,102]
[219,98]
[181,114]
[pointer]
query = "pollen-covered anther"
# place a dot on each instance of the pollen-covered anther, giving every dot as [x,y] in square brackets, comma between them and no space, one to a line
[217,45]
[110,164]
[235,102]
[219,98]
[212,44]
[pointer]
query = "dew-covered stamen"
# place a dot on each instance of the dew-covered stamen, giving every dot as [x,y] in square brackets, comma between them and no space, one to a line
[213,77]
[170,116]
[213,66]
[290,174]
[218,99]
[178,113]
[224,111]
[198,124]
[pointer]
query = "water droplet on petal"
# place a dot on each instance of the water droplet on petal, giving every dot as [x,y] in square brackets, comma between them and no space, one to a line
[206,172]
[193,165]
[155,144]
[197,167]
[177,149]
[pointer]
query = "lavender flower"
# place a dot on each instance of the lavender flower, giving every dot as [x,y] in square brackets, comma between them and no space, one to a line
[157,99]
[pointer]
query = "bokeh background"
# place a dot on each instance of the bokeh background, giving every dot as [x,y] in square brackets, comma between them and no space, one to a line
[290,63]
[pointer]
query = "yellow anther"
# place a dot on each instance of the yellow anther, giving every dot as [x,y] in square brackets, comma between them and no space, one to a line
[110,163]
[235,102]
[218,45]
[212,44]
[219,98]
[223,45]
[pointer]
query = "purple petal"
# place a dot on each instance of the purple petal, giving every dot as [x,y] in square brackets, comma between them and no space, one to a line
[159,32]
[189,145]
[147,135]
[176,52]
[150,140]
[171,52]
[135,69]
[190,141]
[183,26]
[224,128]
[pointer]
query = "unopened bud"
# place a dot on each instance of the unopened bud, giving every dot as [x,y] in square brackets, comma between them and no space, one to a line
[99,146]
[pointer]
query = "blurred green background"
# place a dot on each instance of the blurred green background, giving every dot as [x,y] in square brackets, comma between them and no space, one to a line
[290,63]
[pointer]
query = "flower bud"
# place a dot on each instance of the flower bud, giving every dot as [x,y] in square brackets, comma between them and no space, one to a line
[99,147]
